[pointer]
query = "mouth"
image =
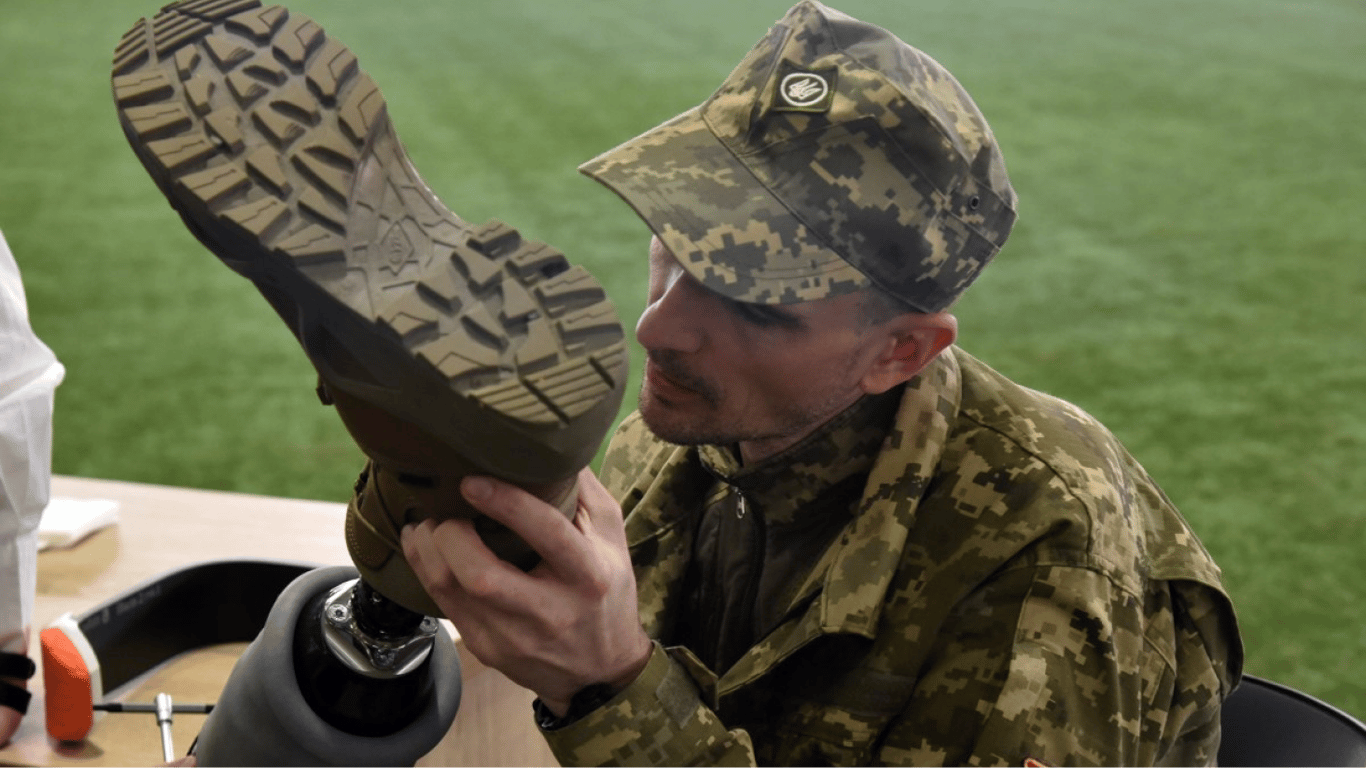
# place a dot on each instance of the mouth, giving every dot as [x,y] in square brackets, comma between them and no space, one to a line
[661,381]
[671,384]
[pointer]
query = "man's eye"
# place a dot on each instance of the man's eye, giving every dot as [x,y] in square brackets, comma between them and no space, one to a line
[764,316]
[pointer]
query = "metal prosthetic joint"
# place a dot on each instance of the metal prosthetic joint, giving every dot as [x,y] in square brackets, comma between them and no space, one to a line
[372,636]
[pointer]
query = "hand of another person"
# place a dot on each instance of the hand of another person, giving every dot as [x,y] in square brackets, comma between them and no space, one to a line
[570,622]
[10,718]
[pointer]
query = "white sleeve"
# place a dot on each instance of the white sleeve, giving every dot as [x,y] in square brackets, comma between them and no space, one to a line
[29,374]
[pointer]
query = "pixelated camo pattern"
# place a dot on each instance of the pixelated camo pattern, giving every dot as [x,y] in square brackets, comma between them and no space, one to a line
[1013,587]
[900,182]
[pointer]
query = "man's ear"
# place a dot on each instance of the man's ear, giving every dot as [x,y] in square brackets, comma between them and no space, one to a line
[909,343]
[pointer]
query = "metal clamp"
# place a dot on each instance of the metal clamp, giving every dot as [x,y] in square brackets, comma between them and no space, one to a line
[359,651]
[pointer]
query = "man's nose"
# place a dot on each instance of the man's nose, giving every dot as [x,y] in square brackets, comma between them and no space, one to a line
[672,320]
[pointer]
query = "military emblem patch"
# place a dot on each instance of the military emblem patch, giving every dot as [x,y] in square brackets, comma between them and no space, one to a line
[802,90]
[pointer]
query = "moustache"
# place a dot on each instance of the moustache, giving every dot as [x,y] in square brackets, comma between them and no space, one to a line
[669,364]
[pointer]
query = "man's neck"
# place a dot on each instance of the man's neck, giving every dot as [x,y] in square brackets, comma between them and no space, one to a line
[754,451]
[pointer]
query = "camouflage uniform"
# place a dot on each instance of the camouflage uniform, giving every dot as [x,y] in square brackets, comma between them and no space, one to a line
[1007,583]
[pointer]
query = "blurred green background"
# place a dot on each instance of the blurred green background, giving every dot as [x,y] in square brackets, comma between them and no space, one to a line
[1187,266]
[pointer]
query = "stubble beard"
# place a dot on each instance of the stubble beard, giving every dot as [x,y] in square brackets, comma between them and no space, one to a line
[703,421]
[667,419]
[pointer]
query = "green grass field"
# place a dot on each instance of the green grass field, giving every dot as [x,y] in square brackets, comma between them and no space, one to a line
[1187,265]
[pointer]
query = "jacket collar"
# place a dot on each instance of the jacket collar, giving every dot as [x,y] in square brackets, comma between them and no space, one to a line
[850,582]
[784,486]
[855,575]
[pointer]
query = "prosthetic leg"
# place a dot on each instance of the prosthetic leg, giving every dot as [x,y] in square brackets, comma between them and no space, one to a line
[447,348]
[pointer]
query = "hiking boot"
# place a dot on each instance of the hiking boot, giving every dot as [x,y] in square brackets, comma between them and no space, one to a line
[448,348]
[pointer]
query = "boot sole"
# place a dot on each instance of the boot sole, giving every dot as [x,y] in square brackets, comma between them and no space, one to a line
[278,153]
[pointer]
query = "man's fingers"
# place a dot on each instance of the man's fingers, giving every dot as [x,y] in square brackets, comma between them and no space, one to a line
[454,565]
[570,621]
[598,501]
[456,568]
[476,590]
[480,572]
[418,550]
[539,524]
[432,565]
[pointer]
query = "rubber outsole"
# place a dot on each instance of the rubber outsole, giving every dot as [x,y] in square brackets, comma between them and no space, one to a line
[278,152]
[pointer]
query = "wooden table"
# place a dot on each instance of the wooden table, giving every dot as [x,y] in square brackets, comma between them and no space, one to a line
[161,528]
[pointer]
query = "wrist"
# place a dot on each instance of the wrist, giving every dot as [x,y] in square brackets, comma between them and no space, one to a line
[557,713]
[641,657]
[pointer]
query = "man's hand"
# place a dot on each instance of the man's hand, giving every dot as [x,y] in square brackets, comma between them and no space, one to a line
[570,622]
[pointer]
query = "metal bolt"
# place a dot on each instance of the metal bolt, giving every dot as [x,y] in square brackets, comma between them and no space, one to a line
[382,657]
[338,613]
[428,625]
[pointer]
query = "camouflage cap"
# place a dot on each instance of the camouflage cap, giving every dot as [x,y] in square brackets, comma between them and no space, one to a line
[833,156]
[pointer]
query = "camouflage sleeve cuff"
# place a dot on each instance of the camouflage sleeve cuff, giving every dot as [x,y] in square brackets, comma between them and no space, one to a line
[657,720]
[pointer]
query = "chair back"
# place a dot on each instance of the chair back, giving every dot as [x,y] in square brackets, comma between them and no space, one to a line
[1266,723]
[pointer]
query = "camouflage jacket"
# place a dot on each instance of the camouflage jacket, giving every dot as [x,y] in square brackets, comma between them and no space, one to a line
[1010,586]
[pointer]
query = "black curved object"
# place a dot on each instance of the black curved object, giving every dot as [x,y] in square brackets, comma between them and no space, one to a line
[1266,723]
[219,601]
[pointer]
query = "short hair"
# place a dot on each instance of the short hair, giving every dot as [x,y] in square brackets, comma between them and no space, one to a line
[880,305]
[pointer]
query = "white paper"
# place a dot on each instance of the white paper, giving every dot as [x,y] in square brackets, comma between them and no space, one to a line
[66,521]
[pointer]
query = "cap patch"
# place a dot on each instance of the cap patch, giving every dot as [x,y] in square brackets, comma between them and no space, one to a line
[805,90]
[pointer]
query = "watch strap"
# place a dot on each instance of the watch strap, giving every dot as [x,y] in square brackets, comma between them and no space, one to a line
[585,701]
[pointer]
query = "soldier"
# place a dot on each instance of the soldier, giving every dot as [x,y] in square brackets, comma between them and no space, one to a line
[845,539]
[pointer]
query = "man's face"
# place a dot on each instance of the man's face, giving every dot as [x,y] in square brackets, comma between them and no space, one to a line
[720,371]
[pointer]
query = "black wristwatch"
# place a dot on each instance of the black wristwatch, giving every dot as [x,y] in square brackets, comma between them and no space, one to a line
[585,701]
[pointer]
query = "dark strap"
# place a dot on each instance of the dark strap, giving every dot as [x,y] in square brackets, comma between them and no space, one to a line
[221,601]
[14,697]
[16,665]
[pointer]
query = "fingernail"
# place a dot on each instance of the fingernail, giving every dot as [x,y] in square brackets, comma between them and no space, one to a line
[477,488]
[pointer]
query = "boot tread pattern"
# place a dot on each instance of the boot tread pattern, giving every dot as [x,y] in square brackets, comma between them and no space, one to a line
[265,132]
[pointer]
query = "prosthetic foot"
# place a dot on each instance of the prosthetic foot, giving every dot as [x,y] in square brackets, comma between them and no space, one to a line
[447,348]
